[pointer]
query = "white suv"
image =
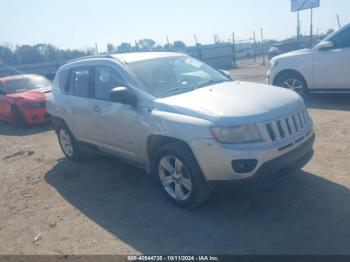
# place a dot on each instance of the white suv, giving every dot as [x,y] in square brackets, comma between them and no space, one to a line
[322,69]
[179,119]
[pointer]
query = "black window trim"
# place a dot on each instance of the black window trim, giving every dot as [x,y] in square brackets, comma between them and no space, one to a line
[93,96]
[91,80]
[70,84]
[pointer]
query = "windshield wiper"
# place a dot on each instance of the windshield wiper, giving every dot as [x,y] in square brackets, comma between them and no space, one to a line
[212,82]
[175,91]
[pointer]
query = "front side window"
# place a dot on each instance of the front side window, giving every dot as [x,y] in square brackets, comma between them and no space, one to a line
[27,83]
[106,78]
[342,39]
[173,75]
[82,81]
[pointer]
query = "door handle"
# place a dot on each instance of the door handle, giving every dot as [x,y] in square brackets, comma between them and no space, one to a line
[97,109]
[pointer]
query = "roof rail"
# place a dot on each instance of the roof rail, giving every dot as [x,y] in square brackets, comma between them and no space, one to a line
[89,57]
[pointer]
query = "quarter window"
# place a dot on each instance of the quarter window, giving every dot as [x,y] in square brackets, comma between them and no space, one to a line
[106,78]
[82,81]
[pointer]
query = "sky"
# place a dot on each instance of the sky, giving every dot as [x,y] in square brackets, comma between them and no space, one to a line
[82,23]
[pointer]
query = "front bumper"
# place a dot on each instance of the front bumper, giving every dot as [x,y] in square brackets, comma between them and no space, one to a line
[215,160]
[36,116]
[276,169]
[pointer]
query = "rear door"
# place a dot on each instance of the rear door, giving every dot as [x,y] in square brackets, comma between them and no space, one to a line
[79,93]
[332,67]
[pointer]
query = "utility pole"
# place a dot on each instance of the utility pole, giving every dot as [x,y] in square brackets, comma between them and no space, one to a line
[233,50]
[338,21]
[254,46]
[96,49]
[167,40]
[263,47]
[311,29]
[298,25]
[195,39]
[215,38]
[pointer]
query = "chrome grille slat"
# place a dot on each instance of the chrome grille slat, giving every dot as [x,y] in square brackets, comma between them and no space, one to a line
[304,116]
[291,123]
[283,128]
[301,120]
[296,124]
[275,130]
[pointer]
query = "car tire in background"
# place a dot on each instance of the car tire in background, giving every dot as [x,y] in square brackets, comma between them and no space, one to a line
[20,120]
[180,177]
[293,81]
[68,143]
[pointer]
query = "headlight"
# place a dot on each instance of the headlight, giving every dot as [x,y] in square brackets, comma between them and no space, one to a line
[237,134]
[34,105]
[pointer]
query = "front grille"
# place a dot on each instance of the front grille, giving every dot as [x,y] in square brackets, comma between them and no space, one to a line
[288,126]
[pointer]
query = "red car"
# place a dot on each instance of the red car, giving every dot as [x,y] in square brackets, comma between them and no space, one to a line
[23,99]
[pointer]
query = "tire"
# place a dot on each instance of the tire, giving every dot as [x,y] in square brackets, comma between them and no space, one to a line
[186,177]
[68,144]
[295,82]
[20,120]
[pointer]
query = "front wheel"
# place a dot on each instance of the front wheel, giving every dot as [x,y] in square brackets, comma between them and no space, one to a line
[68,144]
[293,81]
[180,177]
[20,120]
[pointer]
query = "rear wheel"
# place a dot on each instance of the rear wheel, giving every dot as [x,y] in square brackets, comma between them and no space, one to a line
[20,120]
[180,177]
[295,82]
[68,144]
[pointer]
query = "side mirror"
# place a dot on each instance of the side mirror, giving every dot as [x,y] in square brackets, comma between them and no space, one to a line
[226,73]
[123,95]
[325,45]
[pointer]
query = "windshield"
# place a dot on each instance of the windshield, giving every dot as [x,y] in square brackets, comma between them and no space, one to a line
[26,83]
[172,75]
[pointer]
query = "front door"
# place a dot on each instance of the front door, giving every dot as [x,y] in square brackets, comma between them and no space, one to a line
[113,125]
[332,67]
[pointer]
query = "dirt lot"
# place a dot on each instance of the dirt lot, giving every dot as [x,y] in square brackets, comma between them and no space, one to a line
[102,206]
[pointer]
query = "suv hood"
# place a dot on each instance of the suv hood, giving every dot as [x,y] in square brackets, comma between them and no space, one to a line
[293,53]
[240,102]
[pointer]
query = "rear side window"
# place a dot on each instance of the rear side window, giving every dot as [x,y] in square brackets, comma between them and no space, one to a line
[81,81]
[106,78]
[64,81]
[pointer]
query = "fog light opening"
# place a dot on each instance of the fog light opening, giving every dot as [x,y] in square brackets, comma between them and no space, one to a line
[242,166]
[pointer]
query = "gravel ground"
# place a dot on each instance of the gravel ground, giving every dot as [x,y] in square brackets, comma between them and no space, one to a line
[102,206]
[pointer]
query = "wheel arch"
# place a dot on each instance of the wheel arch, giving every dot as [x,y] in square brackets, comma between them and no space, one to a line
[58,122]
[16,109]
[289,71]
[155,142]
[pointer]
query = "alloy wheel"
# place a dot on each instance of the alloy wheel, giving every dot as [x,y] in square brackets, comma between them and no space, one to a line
[175,178]
[294,84]
[66,142]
